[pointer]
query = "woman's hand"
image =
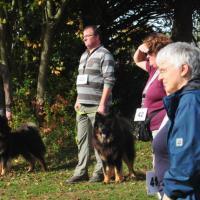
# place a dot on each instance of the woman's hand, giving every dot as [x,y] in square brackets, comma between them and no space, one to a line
[143,48]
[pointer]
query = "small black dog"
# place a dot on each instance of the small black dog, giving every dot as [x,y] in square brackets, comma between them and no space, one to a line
[25,141]
[114,142]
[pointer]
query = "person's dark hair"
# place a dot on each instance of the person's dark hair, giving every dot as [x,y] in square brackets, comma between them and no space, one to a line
[96,29]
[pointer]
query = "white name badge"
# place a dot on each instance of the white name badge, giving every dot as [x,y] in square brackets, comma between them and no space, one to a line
[151,183]
[140,114]
[82,79]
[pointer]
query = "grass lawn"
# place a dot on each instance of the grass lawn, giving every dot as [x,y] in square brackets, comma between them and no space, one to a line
[19,185]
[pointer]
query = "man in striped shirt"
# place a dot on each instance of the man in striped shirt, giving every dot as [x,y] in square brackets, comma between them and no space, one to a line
[95,81]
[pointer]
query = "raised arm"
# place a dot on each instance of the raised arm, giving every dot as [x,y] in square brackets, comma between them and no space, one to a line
[139,56]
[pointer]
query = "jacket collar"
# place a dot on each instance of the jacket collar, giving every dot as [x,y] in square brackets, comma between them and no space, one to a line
[171,102]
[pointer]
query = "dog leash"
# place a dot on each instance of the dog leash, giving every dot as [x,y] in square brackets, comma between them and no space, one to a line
[84,113]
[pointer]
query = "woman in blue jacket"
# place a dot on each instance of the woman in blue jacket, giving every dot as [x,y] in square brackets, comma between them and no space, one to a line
[179,66]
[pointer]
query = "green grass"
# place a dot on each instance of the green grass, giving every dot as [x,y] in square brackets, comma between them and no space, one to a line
[20,185]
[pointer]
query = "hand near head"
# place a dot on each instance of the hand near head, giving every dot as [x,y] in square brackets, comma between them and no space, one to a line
[140,57]
[143,48]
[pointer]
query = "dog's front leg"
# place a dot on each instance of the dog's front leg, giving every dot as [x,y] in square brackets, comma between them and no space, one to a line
[3,166]
[107,174]
[118,172]
[118,176]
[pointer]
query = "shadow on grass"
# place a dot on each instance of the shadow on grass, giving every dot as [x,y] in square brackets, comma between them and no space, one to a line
[65,158]
[68,159]
[62,159]
[140,176]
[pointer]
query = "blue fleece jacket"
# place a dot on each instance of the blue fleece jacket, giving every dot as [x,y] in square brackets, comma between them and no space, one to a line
[182,179]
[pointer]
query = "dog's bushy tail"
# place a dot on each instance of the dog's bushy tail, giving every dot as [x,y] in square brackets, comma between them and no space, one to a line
[37,137]
[33,136]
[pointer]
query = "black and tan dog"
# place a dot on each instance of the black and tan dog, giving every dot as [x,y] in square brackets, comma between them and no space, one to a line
[25,141]
[114,142]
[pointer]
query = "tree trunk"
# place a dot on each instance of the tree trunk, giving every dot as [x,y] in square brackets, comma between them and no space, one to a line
[42,75]
[3,49]
[44,61]
[182,27]
[52,21]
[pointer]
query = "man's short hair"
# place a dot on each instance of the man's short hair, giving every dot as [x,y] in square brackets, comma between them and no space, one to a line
[96,29]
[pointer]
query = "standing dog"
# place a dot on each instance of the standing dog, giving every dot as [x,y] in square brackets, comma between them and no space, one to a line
[114,142]
[25,141]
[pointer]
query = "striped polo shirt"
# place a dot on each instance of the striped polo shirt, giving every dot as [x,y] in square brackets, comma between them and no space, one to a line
[99,67]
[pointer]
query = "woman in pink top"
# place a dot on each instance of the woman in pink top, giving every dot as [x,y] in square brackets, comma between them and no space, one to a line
[144,58]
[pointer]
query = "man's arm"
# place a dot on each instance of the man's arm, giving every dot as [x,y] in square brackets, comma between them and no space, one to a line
[108,66]
[104,99]
[77,105]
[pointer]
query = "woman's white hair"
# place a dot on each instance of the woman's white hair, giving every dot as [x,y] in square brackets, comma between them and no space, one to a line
[178,53]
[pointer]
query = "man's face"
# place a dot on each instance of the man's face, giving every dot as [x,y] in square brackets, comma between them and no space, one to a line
[90,39]
[173,78]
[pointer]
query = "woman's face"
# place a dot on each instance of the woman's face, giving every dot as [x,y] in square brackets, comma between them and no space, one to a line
[173,78]
[152,59]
